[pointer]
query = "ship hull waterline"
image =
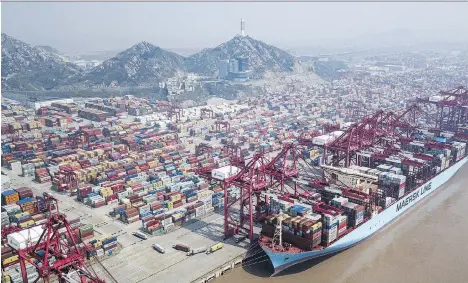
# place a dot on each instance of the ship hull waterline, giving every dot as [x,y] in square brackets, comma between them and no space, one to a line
[282,261]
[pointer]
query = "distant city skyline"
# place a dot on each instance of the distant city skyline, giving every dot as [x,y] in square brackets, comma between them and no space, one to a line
[87,27]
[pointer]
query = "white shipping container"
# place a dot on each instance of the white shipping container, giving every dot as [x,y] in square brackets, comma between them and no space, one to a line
[169,227]
[359,220]
[224,172]
[166,221]
[21,239]
[323,139]
[99,252]
[401,192]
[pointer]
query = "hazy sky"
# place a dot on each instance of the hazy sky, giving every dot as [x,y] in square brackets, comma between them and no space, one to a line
[80,27]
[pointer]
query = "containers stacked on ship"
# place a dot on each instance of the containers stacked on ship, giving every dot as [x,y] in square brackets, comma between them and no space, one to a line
[392,185]
[458,150]
[278,206]
[330,230]
[354,212]
[315,234]
[329,193]
[342,225]
[338,202]
[303,232]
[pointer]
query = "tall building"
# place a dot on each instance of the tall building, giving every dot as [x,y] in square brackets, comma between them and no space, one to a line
[233,66]
[243,64]
[223,69]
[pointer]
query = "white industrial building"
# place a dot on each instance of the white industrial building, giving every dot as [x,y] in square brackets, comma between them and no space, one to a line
[38,104]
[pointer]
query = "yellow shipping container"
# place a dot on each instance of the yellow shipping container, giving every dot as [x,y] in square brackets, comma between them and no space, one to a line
[175,197]
[317,225]
[216,247]
[27,224]
[10,259]
[170,205]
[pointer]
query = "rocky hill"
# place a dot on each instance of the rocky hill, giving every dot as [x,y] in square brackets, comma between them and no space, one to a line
[30,68]
[47,48]
[141,65]
[262,57]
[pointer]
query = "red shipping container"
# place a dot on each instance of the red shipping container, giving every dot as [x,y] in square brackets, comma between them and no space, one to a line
[317,235]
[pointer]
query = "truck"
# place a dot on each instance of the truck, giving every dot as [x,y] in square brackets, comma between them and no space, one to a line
[159,248]
[181,247]
[197,251]
[215,247]
[140,235]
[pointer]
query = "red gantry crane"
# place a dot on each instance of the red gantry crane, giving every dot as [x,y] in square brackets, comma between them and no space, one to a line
[57,241]
[222,126]
[451,108]
[282,172]
[241,189]
[206,113]
[371,130]
[66,179]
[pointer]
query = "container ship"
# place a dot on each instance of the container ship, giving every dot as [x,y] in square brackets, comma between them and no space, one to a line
[352,203]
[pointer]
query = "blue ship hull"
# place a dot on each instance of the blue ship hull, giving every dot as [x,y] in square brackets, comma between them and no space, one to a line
[282,261]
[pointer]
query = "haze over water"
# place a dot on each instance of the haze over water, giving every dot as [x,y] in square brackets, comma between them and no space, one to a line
[428,244]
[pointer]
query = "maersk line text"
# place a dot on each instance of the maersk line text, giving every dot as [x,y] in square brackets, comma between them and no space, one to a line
[414,196]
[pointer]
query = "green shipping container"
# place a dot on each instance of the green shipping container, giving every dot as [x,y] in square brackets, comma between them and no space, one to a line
[87,227]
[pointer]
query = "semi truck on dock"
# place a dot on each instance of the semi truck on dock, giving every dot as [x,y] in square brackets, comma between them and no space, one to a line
[215,247]
[181,247]
[158,248]
[196,251]
[140,235]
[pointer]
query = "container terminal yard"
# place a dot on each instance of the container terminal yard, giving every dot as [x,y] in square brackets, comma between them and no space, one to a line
[129,189]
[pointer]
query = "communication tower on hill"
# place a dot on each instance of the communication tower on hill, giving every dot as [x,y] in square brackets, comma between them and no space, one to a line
[242,27]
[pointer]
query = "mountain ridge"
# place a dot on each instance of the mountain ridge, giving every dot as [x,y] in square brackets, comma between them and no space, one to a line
[141,65]
[262,57]
[25,67]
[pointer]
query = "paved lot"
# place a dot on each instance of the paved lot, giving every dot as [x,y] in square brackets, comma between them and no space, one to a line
[137,261]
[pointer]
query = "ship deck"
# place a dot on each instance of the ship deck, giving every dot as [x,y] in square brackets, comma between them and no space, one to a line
[265,241]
